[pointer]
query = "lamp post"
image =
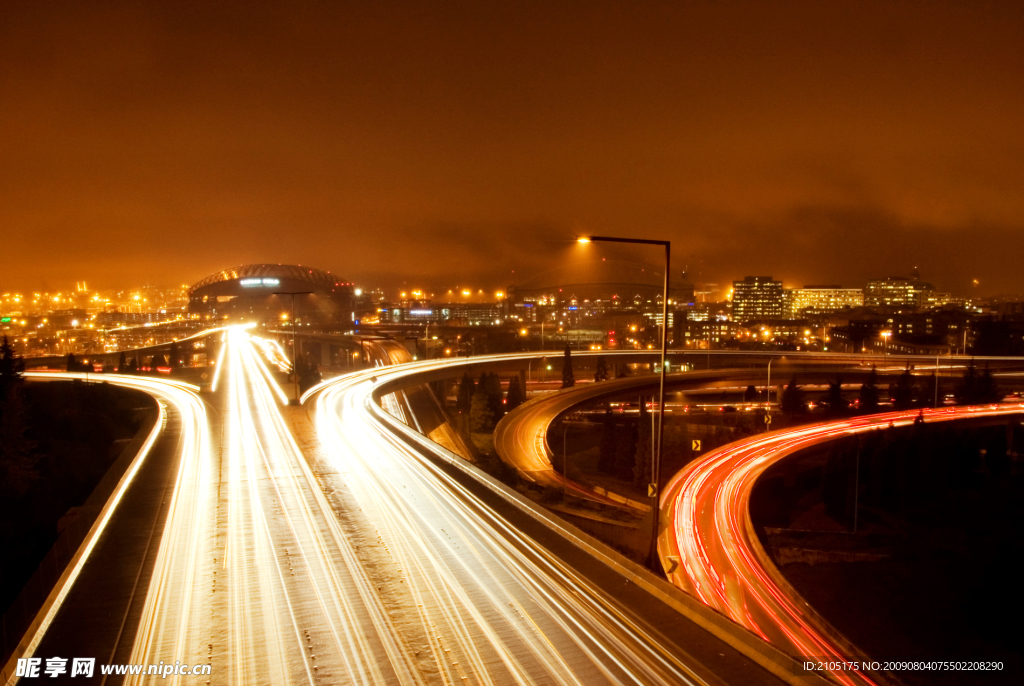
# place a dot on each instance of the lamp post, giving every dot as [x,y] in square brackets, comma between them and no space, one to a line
[654,488]
[295,350]
[768,398]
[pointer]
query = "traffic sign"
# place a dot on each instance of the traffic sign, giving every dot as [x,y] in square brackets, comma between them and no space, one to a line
[767,419]
[673,564]
[652,489]
[695,445]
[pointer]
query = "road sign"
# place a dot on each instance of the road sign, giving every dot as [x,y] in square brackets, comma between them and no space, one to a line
[652,489]
[673,564]
[767,419]
[695,445]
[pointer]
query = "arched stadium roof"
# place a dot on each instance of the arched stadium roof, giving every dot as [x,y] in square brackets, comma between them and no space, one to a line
[317,277]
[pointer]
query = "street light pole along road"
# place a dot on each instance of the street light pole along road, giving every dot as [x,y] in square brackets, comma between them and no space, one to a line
[654,488]
[295,350]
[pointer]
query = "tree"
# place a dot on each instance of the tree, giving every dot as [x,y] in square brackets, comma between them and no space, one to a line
[966,391]
[17,464]
[156,363]
[308,373]
[72,363]
[869,393]
[514,397]
[481,419]
[988,391]
[903,391]
[601,373]
[122,364]
[793,399]
[172,357]
[568,380]
[608,447]
[834,400]
[750,394]
[464,400]
[11,367]
[625,453]
[495,397]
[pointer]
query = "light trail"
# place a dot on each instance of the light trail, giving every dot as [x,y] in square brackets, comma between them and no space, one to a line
[183,397]
[706,510]
[488,603]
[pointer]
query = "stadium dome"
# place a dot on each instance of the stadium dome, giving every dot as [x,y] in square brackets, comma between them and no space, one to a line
[259,292]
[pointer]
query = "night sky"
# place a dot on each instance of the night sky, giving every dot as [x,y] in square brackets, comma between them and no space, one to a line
[441,144]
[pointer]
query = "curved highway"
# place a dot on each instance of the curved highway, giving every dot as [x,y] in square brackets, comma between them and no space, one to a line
[708,531]
[480,600]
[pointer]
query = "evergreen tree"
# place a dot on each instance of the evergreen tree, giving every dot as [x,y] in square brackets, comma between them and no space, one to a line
[568,380]
[750,394]
[793,399]
[924,392]
[834,400]
[625,453]
[17,464]
[869,393]
[464,401]
[309,374]
[903,391]
[601,373]
[514,398]
[481,419]
[122,364]
[642,455]
[987,390]
[608,446]
[492,386]
[11,367]
[966,391]
[156,363]
[173,358]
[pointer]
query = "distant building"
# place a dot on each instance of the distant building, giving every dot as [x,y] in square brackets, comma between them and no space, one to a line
[250,293]
[822,299]
[757,297]
[897,291]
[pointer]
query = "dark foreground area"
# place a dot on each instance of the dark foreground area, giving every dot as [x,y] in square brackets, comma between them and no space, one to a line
[57,440]
[908,541]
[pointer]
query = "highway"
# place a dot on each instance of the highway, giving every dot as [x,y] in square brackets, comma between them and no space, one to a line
[709,538]
[350,559]
[100,593]
[521,437]
[486,603]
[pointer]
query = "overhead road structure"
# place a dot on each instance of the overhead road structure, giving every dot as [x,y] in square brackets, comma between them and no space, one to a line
[595,616]
[711,550]
[522,437]
[94,606]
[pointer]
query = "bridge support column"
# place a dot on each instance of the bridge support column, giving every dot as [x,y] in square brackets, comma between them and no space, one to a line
[522,381]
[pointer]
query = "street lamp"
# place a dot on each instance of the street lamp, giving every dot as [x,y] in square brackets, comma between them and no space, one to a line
[654,488]
[295,350]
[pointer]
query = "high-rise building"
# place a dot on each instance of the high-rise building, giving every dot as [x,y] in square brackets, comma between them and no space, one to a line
[896,291]
[757,297]
[820,299]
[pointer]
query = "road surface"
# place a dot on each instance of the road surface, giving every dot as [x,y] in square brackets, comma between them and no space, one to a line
[709,538]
